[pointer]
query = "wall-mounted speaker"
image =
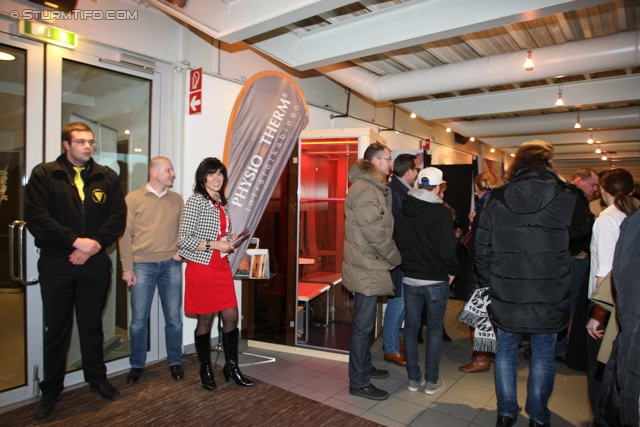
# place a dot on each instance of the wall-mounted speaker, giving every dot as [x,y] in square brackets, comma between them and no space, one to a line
[63,5]
[460,139]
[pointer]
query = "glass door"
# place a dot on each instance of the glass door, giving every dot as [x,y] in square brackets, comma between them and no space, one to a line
[116,103]
[325,306]
[21,78]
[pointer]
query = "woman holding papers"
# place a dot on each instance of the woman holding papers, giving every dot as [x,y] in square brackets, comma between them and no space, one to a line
[205,240]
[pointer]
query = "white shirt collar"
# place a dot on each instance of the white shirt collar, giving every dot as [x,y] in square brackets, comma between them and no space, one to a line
[150,188]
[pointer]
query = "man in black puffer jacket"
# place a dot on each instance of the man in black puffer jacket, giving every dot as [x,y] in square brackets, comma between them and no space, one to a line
[522,253]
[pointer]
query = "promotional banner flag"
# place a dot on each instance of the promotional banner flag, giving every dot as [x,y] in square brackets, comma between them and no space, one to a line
[265,124]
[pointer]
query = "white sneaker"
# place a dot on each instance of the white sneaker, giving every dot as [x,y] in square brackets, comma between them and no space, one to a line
[430,388]
[413,385]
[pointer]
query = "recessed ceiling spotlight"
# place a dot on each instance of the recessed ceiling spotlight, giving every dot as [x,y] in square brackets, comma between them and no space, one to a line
[449,130]
[413,115]
[493,150]
[4,56]
[472,139]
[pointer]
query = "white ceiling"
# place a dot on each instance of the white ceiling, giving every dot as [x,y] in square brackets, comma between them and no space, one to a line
[460,63]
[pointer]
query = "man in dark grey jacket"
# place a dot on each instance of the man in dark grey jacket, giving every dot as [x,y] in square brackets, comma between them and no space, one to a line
[522,253]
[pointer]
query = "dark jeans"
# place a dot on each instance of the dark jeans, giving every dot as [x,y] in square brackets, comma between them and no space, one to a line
[435,297]
[364,317]
[63,286]
[579,277]
[542,371]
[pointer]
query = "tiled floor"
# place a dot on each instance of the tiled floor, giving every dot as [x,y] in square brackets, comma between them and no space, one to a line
[468,399]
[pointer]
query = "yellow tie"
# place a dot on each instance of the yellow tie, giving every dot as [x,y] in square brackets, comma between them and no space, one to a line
[79,182]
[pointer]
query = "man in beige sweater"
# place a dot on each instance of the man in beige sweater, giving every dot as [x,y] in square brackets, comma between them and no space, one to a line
[149,255]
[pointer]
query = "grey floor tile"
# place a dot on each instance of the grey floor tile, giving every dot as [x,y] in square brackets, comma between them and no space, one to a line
[320,365]
[415,397]
[280,382]
[457,407]
[399,410]
[309,393]
[326,384]
[431,418]
[471,392]
[293,358]
[297,374]
[341,371]
[372,416]
[274,367]
[344,406]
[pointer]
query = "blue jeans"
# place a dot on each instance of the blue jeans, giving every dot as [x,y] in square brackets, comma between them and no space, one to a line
[435,297]
[167,276]
[364,317]
[542,372]
[393,317]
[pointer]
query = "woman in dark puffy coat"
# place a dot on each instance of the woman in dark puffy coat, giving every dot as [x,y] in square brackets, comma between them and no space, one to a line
[522,254]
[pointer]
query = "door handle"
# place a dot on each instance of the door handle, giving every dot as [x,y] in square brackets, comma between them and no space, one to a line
[22,232]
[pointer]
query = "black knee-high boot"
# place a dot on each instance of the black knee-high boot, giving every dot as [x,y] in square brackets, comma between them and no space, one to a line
[231,369]
[203,347]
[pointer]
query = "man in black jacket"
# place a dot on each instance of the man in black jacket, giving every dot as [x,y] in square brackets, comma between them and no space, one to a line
[404,175]
[522,253]
[424,235]
[75,209]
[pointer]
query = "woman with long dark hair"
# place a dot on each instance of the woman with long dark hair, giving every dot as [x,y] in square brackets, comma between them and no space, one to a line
[205,242]
[616,188]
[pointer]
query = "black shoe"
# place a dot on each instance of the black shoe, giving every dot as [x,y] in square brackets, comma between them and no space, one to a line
[45,406]
[505,421]
[106,391]
[176,372]
[534,423]
[370,392]
[134,375]
[445,337]
[378,374]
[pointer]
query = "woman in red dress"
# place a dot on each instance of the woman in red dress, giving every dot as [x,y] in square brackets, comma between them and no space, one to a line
[204,241]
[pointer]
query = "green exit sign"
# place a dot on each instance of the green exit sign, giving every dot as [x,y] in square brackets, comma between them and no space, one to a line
[48,34]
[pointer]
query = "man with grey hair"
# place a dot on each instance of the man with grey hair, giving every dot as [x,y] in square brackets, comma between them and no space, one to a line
[150,260]
[428,247]
[404,175]
[369,254]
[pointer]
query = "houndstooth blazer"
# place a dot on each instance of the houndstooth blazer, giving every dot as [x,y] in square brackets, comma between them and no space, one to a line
[200,221]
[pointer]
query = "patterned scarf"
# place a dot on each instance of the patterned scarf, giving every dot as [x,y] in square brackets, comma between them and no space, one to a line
[476,314]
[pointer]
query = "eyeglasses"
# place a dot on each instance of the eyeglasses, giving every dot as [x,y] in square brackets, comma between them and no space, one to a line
[591,183]
[81,142]
[416,169]
[388,159]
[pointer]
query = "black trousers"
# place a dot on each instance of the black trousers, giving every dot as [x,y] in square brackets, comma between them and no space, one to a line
[63,286]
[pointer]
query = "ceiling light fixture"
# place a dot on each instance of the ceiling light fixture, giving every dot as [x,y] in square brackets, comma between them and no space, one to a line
[413,115]
[4,56]
[472,139]
[513,155]
[604,157]
[448,130]
[590,140]
[493,150]
[598,151]
[578,125]
[559,102]
[528,64]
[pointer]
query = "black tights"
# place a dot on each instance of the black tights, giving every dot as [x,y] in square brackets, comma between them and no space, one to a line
[229,319]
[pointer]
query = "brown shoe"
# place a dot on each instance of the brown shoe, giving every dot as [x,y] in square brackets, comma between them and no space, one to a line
[479,363]
[397,358]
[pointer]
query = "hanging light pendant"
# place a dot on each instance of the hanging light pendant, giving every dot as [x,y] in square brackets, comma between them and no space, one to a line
[590,140]
[528,64]
[578,125]
[559,102]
